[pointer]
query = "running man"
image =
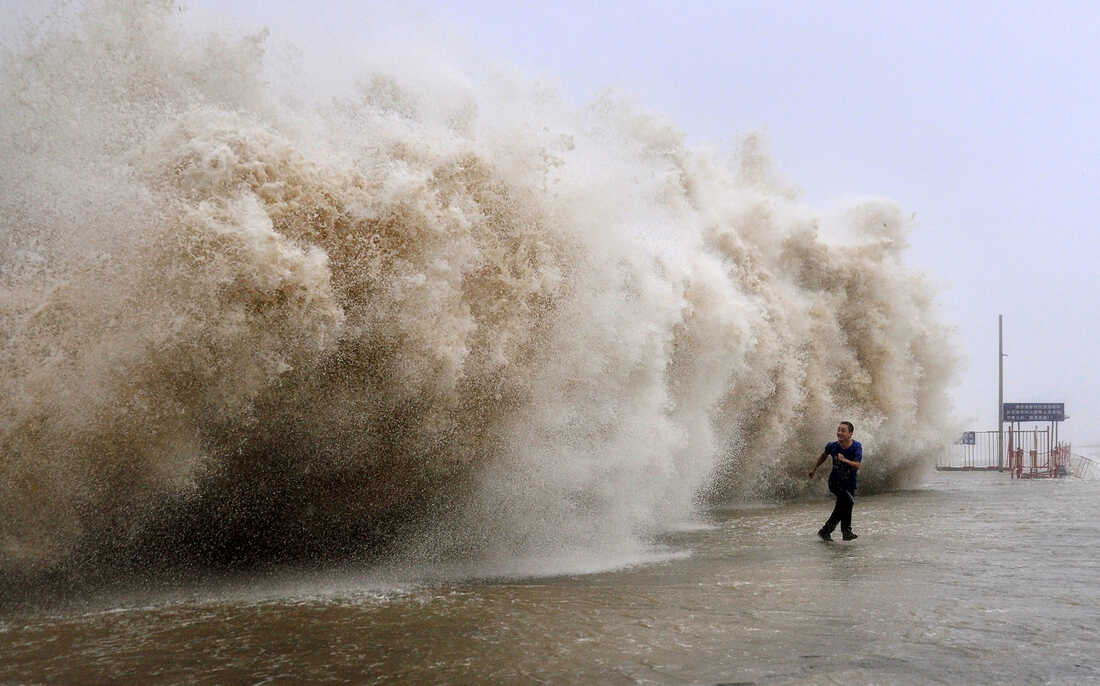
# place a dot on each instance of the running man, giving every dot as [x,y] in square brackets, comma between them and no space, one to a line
[847,456]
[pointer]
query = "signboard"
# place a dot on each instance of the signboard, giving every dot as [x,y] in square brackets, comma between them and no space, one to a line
[1034,412]
[967,438]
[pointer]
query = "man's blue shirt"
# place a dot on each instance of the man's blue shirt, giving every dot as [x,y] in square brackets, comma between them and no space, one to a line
[843,472]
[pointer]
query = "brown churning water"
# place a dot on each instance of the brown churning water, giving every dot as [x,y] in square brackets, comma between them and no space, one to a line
[244,319]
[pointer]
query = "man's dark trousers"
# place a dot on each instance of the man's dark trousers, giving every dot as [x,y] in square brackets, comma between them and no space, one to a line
[842,511]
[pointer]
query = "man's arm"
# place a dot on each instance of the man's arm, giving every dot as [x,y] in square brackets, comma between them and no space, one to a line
[843,460]
[854,464]
[819,461]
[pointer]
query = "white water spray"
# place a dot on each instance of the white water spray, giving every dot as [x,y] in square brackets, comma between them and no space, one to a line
[244,320]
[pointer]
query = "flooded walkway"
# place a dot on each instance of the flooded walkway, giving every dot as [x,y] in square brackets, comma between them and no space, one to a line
[972,578]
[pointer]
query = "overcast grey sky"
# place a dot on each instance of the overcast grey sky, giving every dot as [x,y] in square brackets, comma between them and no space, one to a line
[981,117]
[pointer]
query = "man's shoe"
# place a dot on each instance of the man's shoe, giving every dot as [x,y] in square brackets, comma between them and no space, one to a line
[824,535]
[848,536]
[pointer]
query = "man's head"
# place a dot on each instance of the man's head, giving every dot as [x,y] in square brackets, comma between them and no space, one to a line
[844,431]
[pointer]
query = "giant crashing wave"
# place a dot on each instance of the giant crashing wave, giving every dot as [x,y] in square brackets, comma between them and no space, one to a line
[245,322]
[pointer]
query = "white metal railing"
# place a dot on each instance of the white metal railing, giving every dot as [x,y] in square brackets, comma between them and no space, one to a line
[981,453]
[1084,467]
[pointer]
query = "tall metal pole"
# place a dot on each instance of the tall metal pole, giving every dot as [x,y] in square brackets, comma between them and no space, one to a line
[1000,392]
